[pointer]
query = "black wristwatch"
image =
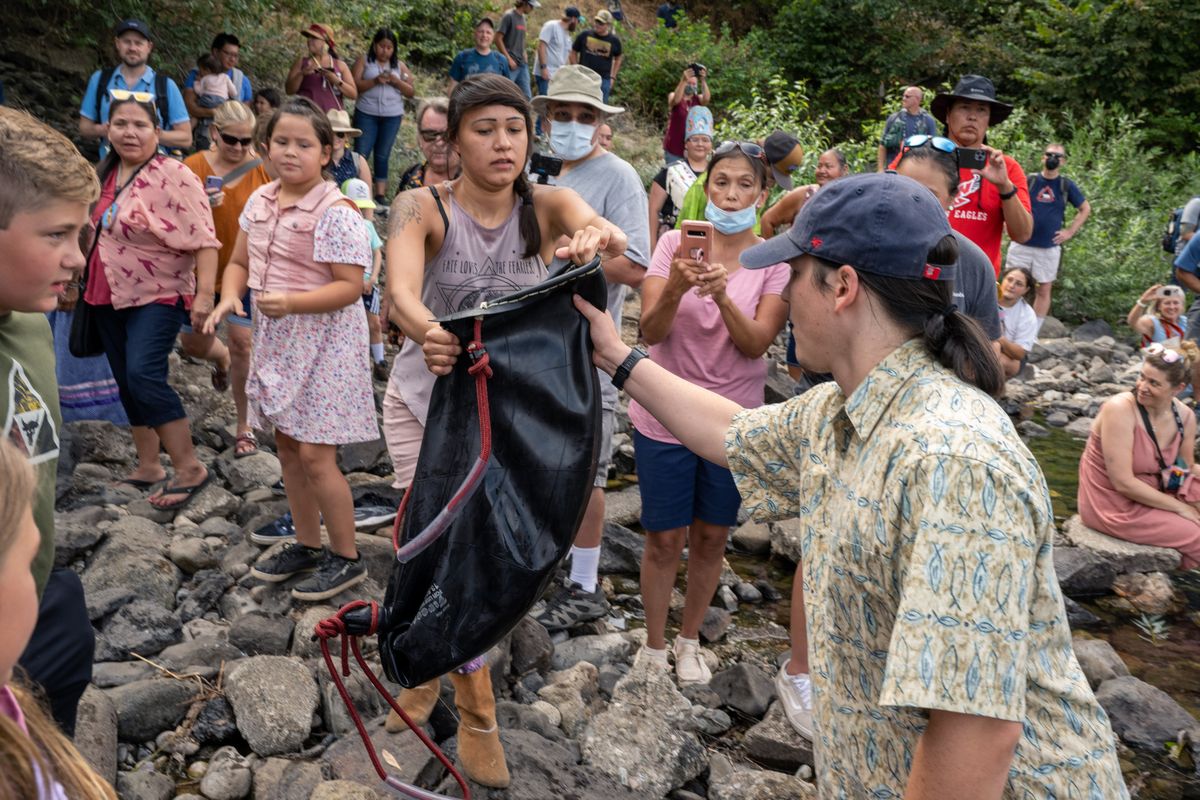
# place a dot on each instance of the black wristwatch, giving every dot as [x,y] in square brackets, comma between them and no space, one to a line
[622,374]
[1007,195]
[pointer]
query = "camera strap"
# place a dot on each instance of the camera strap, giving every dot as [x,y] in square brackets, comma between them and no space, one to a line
[1162,462]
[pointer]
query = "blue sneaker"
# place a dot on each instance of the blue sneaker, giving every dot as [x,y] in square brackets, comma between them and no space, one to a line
[279,530]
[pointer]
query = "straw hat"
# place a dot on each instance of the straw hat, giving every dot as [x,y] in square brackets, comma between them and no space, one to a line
[574,83]
[340,120]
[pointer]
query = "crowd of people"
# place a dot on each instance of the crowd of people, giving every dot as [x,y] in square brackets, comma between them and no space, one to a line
[258,253]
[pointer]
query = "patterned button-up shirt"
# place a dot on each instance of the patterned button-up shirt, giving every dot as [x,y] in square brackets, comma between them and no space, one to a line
[928,579]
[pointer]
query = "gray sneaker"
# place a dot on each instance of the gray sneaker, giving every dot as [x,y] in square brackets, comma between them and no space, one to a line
[290,560]
[335,575]
[569,605]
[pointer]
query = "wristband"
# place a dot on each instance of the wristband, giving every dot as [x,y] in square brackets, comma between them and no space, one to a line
[622,374]
[1008,195]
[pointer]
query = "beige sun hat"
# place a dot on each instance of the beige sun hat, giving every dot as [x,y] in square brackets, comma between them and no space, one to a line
[574,83]
[340,120]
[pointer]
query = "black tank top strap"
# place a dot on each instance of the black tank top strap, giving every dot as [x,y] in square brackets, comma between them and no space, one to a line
[441,209]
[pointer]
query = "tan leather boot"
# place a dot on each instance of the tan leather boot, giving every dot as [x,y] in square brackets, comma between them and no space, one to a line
[417,702]
[480,752]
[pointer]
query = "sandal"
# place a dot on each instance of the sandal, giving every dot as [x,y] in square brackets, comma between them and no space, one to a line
[189,494]
[246,438]
[220,378]
[137,483]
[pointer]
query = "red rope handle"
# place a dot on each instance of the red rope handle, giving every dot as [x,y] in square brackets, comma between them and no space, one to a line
[335,626]
[481,369]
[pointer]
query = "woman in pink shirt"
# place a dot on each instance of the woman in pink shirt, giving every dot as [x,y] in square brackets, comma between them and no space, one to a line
[710,322]
[155,241]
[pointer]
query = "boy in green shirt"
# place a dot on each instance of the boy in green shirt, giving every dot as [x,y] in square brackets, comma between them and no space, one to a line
[45,189]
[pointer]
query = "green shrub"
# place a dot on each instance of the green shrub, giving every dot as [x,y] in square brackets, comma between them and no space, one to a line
[1132,190]
[655,59]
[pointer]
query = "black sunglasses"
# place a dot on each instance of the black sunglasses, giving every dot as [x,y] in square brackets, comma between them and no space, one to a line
[233,140]
[1049,153]
[432,136]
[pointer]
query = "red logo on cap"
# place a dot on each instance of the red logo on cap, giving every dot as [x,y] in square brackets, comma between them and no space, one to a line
[932,272]
[815,242]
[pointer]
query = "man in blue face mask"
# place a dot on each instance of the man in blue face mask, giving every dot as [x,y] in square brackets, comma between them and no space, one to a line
[574,110]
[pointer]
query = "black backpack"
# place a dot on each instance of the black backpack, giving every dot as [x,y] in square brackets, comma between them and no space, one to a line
[162,100]
[1170,238]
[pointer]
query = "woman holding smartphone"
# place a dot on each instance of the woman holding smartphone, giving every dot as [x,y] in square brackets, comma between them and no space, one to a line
[707,320]
[321,76]
[231,171]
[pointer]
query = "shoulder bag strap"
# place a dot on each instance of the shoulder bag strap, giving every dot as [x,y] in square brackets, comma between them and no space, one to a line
[240,170]
[1162,464]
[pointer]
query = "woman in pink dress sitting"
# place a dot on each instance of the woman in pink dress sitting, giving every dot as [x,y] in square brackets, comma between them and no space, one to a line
[1138,478]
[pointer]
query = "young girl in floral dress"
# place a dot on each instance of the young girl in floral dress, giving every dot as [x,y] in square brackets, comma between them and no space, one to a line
[302,251]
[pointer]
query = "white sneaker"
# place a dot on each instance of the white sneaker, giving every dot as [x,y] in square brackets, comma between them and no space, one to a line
[795,695]
[689,662]
[652,657]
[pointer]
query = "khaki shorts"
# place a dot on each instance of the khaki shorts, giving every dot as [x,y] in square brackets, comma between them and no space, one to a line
[1041,261]
[403,432]
[608,422]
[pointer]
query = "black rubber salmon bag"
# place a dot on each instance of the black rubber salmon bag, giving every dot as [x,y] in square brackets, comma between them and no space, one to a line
[481,533]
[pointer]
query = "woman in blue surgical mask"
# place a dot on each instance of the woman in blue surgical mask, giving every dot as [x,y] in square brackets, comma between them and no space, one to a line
[707,320]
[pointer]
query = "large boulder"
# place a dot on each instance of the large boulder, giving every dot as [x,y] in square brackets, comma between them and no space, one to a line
[141,627]
[1082,572]
[642,737]
[147,707]
[755,784]
[273,699]
[411,760]
[284,779]
[132,557]
[543,769]
[258,634]
[623,507]
[1123,556]
[1098,660]
[775,743]
[597,649]
[785,538]
[96,732]
[259,470]
[1150,592]
[621,551]
[744,688]
[1142,715]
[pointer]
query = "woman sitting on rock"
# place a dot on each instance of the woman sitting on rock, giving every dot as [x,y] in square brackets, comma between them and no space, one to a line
[1158,315]
[1018,322]
[1137,477]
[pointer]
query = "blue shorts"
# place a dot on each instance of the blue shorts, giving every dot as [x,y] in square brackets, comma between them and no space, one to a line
[232,319]
[371,301]
[678,486]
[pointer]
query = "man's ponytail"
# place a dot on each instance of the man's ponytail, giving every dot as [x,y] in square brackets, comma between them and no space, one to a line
[959,344]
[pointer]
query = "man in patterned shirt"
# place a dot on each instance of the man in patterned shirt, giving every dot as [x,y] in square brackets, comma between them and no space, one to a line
[940,653]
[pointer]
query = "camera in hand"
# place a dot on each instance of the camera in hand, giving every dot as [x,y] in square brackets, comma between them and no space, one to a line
[971,158]
[695,67]
[544,166]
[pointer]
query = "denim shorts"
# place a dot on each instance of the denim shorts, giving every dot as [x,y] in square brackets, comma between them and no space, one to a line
[678,486]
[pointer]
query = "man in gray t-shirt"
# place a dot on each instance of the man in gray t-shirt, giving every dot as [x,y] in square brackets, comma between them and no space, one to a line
[1188,222]
[510,42]
[574,111]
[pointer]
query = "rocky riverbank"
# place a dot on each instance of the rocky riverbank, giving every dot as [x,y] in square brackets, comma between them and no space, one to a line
[208,684]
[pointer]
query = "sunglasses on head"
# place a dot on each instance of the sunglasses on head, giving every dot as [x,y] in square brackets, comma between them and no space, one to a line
[126,94]
[432,136]
[925,140]
[1168,356]
[233,140]
[749,149]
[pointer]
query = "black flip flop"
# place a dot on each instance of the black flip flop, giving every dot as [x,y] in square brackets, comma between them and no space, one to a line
[138,484]
[189,493]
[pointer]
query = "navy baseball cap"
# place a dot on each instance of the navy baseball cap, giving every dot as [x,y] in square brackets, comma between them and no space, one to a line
[572,12]
[880,222]
[133,25]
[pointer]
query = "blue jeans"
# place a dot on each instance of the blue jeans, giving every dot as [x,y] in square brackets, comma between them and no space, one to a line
[543,85]
[137,342]
[605,88]
[378,134]
[520,76]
